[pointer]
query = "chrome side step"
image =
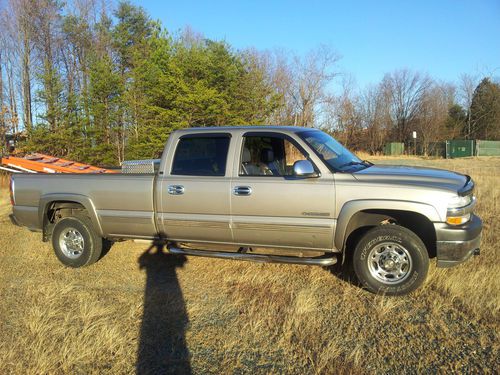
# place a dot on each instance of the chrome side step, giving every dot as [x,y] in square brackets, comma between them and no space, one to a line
[318,261]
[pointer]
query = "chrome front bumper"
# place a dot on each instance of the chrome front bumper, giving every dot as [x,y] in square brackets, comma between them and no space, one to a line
[457,244]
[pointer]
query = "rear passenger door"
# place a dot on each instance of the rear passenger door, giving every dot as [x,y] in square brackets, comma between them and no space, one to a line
[270,206]
[195,190]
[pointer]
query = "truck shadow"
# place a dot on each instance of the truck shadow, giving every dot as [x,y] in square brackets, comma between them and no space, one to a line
[345,271]
[162,344]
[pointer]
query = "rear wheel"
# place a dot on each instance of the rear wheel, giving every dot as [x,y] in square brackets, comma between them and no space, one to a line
[391,260]
[75,242]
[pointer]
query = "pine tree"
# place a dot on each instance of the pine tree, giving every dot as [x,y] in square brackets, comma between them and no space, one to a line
[485,111]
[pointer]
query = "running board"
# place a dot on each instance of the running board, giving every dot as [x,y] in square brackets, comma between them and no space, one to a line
[317,261]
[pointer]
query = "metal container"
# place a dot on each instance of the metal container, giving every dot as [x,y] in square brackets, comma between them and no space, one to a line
[459,148]
[148,166]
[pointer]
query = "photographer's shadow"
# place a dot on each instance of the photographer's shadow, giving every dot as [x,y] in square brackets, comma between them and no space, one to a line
[162,344]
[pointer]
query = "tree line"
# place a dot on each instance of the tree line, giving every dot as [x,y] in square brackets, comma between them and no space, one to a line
[405,102]
[102,85]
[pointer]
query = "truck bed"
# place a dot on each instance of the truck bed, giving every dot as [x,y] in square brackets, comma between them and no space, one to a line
[121,201]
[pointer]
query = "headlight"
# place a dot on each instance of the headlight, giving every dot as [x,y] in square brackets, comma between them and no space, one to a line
[460,209]
[458,201]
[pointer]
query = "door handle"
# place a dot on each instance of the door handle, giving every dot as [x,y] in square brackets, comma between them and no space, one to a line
[175,189]
[242,190]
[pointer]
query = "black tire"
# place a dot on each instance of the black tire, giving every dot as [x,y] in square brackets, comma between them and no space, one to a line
[88,246]
[391,260]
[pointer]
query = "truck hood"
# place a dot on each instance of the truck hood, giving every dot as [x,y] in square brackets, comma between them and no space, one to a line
[416,176]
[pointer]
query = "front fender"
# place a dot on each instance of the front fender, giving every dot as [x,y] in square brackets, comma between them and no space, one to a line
[349,209]
[85,201]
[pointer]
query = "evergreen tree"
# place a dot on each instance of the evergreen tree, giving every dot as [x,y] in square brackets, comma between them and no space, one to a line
[485,111]
[106,110]
[456,120]
[115,87]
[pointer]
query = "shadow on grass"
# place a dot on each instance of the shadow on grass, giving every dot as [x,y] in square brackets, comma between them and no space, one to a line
[162,344]
[345,271]
[106,247]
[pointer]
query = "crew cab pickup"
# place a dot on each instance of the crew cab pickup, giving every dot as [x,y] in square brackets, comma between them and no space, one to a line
[268,194]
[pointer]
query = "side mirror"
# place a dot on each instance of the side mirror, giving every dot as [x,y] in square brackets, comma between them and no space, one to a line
[304,168]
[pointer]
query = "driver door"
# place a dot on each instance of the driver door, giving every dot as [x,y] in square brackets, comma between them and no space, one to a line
[269,206]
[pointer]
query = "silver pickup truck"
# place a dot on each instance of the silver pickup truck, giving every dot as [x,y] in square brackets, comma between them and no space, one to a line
[268,194]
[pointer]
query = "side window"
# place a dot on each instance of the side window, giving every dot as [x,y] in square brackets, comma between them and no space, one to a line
[201,156]
[268,156]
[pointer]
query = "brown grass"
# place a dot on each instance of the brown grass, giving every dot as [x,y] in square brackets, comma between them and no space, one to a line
[4,179]
[136,311]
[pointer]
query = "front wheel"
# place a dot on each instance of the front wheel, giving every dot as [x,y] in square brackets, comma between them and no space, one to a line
[75,242]
[391,260]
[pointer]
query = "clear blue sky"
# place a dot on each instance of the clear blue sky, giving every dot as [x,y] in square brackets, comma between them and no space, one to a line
[442,38]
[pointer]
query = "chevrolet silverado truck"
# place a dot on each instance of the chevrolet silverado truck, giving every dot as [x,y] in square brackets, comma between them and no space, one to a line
[266,194]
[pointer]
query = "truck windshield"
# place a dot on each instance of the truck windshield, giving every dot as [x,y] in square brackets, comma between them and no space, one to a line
[335,156]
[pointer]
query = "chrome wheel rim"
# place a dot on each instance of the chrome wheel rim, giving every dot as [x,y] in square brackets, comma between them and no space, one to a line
[389,262]
[71,243]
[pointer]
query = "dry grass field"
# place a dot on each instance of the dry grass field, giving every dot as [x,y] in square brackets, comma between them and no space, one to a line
[139,311]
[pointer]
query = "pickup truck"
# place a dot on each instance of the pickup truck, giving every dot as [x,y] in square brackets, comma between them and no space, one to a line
[266,194]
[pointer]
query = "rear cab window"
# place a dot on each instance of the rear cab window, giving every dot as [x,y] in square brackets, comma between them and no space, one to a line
[201,155]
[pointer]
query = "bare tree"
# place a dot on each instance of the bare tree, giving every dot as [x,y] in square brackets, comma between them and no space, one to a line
[280,78]
[7,47]
[17,36]
[376,115]
[311,76]
[431,123]
[46,18]
[77,35]
[14,118]
[405,90]
[300,83]
[467,86]
[342,115]
[26,32]
[3,129]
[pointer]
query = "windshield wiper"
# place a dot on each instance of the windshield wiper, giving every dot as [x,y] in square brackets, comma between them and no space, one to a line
[366,163]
